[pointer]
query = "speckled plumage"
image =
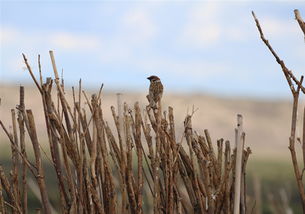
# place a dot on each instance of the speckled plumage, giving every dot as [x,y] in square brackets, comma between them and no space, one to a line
[155,91]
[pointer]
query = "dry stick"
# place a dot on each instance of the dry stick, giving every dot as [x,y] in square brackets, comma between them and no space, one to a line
[85,127]
[10,205]
[53,141]
[31,73]
[59,88]
[146,129]
[166,172]
[189,135]
[77,106]
[88,102]
[70,181]
[213,172]
[288,74]
[225,188]
[89,200]
[146,132]
[300,20]
[15,160]
[81,191]
[120,122]
[298,175]
[243,190]
[20,120]
[93,158]
[78,137]
[187,182]
[278,60]
[227,181]
[48,107]
[39,87]
[70,140]
[122,142]
[44,108]
[110,206]
[198,208]
[200,187]
[129,175]
[138,120]
[171,123]
[212,153]
[112,141]
[178,200]
[238,163]
[100,94]
[303,143]
[219,157]
[111,194]
[171,148]
[40,74]
[220,188]
[176,151]
[7,187]
[29,164]
[40,173]
[2,209]
[204,162]
[157,161]
[35,190]
[78,166]
[74,125]
[51,116]
[121,156]
[186,205]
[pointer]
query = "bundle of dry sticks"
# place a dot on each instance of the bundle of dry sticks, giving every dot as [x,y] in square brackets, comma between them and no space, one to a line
[138,167]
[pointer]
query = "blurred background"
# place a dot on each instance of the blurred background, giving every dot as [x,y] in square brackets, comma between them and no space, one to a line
[208,54]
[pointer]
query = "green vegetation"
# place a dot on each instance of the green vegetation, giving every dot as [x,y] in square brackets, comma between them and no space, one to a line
[274,175]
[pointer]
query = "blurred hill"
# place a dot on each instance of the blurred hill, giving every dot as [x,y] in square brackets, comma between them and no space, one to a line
[266,122]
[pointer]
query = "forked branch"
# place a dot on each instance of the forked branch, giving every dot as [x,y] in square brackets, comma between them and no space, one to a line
[288,74]
[295,93]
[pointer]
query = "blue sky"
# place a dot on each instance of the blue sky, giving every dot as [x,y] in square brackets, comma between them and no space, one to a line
[198,46]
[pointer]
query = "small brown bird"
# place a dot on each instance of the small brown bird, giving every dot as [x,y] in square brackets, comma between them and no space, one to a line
[155,91]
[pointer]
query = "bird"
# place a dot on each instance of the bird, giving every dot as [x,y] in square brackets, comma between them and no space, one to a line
[155,91]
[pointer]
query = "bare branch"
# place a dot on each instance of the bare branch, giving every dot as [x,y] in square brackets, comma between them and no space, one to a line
[300,20]
[288,74]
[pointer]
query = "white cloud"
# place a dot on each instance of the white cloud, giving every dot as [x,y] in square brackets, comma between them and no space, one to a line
[138,26]
[65,41]
[203,27]
[208,25]
[237,33]
[70,41]
[136,29]
[279,28]
[211,23]
[8,35]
